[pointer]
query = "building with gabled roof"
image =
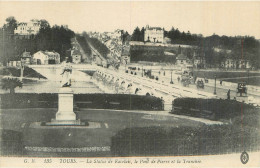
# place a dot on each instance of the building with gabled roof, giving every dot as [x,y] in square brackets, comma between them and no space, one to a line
[46,57]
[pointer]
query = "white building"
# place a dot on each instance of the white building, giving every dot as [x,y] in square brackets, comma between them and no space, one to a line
[199,62]
[29,28]
[230,63]
[153,34]
[46,57]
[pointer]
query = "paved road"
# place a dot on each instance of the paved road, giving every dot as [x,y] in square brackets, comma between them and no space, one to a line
[220,90]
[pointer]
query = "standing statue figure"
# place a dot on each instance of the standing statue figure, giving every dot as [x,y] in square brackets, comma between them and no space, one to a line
[66,72]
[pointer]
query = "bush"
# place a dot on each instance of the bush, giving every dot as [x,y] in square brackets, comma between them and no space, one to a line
[221,109]
[97,101]
[11,143]
[205,140]
[150,53]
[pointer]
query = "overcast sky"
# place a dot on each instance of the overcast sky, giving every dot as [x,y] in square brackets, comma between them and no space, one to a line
[222,18]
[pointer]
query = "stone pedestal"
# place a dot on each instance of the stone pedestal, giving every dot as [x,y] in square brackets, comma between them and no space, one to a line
[65,114]
[65,105]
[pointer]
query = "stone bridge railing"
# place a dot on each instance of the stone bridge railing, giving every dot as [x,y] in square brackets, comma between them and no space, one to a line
[156,88]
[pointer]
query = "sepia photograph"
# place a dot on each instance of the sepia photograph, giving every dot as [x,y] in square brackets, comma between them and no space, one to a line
[129,83]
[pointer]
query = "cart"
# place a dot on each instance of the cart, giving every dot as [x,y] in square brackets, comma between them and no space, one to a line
[200,84]
[241,89]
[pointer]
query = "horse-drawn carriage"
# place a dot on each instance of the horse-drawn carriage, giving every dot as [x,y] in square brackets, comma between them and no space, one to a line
[241,88]
[185,80]
[200,84]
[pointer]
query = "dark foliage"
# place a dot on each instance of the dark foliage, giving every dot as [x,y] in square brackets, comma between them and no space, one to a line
[205,140]
[217,108]
[83,43]
[11,143]
[153,54]
[138,35]
[11,84]
[98,45]
[97,101]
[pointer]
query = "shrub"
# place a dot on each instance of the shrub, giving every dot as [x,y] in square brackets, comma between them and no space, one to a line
[204,140]
[221,109]
[11,143]
[11,84]
[98,101]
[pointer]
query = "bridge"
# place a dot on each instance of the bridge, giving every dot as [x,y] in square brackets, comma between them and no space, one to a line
[52,72]
[156,88]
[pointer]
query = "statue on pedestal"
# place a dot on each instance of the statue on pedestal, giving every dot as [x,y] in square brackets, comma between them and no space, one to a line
[66,73]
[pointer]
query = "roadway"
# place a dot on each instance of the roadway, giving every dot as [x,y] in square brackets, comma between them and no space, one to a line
[221,91]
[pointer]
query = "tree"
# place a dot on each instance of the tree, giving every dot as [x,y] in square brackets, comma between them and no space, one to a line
[11,25]
[11,84]
[136,34]
[124,36]
[44,24]
[141,36]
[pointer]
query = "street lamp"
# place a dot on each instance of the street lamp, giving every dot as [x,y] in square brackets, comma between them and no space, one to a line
[22,69]
[171,78]
[248,76]
[215,92]
[125,63]
[142,71]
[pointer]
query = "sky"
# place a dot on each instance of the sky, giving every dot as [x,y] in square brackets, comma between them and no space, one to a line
[200,17]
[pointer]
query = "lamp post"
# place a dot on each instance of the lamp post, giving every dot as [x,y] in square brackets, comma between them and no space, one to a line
[215,92]
[142,71]
[22,69]
[171,78]
[248,76]
[125,64]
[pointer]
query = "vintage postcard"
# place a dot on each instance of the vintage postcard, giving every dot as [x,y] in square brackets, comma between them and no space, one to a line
[129,84]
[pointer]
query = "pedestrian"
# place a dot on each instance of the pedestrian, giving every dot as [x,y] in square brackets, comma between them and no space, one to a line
[178,79]
[228,94]
[220,82]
